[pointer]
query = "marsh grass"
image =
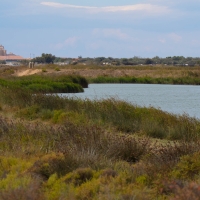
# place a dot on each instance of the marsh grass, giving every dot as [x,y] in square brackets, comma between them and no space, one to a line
[67,148]
[114,113]
[191,79]
[46,84]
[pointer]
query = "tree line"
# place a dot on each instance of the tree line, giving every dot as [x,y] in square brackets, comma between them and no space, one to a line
[174,60]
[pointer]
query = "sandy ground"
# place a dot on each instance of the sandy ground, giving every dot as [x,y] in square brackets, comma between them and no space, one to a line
[27,72]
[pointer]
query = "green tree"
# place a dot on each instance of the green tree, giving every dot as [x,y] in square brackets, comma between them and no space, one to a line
[198,62]
[39,60]
[45,58]
[148,61]
[48,58]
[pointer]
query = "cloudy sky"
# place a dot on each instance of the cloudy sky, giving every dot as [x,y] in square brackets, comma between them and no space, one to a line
[110,28]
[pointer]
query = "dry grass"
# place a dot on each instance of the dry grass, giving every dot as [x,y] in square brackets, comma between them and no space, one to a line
[92,71]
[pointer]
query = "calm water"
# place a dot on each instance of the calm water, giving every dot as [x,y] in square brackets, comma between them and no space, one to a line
[176,99]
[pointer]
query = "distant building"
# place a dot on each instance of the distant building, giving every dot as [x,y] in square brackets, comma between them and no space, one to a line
[9,57]
[2,51]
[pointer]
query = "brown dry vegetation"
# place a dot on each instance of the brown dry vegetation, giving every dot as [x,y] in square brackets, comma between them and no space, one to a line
[112,71]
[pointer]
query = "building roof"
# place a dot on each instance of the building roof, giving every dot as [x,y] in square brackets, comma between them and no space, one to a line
[11,57]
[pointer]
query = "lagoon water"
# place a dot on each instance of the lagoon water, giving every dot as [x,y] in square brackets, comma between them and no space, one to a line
[177,99]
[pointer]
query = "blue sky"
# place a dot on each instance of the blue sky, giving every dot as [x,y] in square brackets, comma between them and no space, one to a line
[109,28]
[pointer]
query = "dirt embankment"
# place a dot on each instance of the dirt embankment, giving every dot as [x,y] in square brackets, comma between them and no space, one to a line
[27,72]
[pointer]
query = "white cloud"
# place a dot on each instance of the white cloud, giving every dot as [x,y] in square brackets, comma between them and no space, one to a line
[111,33]
[154,9]
[59,5]
[162,41]
[68,42]
[175,37]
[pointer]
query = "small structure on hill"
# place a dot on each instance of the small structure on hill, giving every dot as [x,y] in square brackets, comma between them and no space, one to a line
[31,65]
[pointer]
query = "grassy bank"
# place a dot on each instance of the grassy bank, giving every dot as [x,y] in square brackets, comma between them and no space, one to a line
[46,84]
[187,80]
[64,148]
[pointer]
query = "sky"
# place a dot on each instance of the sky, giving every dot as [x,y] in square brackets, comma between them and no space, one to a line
[108,28]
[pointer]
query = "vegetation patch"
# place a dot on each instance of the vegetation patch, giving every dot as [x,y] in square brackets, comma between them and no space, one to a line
[186,80]
[46,84]
[66,148]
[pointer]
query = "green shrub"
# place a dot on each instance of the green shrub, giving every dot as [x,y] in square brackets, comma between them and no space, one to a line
[143,180]
[46,114]
[58,116]
[79,176]
[88,190]
[50,164]
[29,112]
[57,69]
[188,167]
[54,187]
[28,191]
[14,181]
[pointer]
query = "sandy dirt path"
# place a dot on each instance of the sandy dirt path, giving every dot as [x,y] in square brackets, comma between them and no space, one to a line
[27,72]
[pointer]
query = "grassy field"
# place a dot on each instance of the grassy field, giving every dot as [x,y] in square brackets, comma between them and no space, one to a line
[92,71]
[114,74]
[56,148]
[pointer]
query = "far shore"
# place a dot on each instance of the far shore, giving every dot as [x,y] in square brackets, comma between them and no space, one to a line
[158,74]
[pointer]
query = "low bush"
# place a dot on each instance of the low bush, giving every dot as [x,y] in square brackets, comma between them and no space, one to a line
[190,191]
[188,167]
[32,192]
[50,164]
[79,176]
[57,69]
[88,190]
